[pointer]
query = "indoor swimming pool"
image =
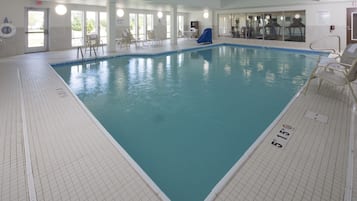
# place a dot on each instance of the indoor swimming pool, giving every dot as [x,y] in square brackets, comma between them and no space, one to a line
[187,117]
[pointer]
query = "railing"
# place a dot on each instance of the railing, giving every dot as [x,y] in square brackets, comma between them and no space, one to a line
[80,50]
[333,50]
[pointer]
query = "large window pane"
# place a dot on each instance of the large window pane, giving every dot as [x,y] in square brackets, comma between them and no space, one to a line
[225,25]
[168,26]
[150,27]
[255,26]
[238,25]
[180,25]
[103,27]
[288,26]
[141,27]
[273,26]
[36,29]
[133,23]
[77,28]
[140,24]
[149,22]
[295,26]
[91,19]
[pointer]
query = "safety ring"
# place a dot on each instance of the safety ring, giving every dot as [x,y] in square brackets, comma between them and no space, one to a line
[7,30]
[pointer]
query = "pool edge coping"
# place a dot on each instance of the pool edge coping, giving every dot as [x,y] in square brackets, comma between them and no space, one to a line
[164,52]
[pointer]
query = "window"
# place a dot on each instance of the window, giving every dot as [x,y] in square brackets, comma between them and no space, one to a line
[141,23]
[77,22]
[150,27]
[141,27]
[149,22]
[283,25]
[254,26]
[180,25]
[91,22]
[168,26]
[133,23]
[224,25]
[96,22]
[103,27]
[294,29]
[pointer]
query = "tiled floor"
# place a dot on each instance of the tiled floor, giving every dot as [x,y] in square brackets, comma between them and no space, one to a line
[73,158]
[312,165]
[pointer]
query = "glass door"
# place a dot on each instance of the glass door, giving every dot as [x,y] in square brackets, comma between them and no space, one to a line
[36,29]
[351,25]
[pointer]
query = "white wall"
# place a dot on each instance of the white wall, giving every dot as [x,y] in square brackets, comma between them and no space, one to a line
[15,13]
[203,23]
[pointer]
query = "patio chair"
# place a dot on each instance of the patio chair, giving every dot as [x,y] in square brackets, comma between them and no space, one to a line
[93,41]
[348,55]
[151,38]
[126,39]
[338,74]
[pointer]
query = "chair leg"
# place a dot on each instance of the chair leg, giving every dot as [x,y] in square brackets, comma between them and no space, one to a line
[307,85]
[320,82]
[312,76]
[353,94]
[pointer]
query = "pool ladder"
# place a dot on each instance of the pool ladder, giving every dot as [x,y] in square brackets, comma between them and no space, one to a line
[334,51]
[80,50]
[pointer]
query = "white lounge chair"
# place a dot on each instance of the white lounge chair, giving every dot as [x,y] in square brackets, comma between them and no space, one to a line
[126,39]
[335,73]
[348,55]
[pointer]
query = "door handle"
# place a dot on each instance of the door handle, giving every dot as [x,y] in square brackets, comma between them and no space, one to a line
[349,28]
[46,31]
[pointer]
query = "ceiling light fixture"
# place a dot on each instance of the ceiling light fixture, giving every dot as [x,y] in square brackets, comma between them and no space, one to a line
[159,14]
[205,14]
[61,9]
[120,12]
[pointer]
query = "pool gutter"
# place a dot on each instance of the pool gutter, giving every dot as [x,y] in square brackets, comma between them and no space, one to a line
[179,50]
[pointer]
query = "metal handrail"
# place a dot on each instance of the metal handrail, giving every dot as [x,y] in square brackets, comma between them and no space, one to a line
[333,50]
[80,50]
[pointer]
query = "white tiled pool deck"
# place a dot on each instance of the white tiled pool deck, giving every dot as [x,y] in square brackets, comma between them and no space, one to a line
[73,158]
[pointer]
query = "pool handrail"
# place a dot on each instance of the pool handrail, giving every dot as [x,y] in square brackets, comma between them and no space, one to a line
[327,49]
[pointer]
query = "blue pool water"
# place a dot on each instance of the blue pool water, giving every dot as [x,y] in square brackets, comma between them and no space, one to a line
[187,117]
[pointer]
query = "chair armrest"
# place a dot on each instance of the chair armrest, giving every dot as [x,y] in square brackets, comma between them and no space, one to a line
[338,66]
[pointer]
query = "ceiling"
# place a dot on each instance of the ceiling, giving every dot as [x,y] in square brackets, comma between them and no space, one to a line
[150,4]
[192,5]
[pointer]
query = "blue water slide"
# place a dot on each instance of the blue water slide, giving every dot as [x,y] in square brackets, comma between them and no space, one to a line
[206,36]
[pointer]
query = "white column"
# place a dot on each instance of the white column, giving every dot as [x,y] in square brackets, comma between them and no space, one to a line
[174,25]
[111,28]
